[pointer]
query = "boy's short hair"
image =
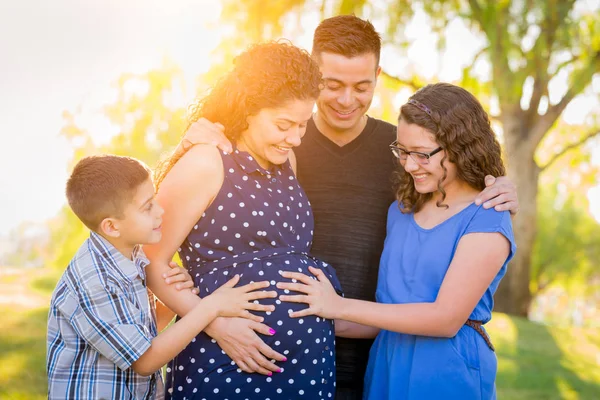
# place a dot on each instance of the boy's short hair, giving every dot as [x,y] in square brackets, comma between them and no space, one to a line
[348,36]
[101,186]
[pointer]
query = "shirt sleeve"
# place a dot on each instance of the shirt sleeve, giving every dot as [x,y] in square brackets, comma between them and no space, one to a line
[106,318]
[492,221]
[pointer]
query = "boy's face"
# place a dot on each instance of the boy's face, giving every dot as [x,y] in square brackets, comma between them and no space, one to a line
[349,86]
[141,223]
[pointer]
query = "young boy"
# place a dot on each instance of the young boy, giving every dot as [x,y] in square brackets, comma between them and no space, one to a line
[103,340]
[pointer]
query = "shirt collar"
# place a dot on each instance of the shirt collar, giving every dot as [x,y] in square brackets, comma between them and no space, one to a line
[250,165]
[130,268]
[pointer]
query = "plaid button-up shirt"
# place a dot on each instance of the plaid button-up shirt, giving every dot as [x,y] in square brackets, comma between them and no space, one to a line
[101,320]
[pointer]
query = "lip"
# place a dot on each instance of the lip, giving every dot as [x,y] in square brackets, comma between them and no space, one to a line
[158,228]
[344,116]
[280,151]
[419,180]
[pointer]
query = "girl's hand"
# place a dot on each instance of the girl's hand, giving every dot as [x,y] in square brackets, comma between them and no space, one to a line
[230,301]
[320,296]
[180,277]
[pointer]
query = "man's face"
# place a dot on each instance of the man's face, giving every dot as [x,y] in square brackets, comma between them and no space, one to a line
[349,85]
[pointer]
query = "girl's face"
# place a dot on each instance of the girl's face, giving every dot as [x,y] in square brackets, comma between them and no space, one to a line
[426,173]
[273,132]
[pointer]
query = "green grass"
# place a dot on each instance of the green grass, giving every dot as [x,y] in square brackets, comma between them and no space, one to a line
[536,362]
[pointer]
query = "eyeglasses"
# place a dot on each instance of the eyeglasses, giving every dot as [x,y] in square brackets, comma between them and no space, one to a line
[417,156]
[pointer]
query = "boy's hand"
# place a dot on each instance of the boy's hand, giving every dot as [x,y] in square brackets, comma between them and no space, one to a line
[500,193]
[230,301]
[319,294]
[205,132]
[180,277]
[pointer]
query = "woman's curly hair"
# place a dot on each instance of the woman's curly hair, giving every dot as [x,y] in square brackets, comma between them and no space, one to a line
[266,75]
[462,128]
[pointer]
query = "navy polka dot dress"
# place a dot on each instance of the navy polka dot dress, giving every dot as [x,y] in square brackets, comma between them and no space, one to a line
[259,224]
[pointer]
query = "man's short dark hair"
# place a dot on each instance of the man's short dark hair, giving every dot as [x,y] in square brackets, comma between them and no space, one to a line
[348,36]
[101,186]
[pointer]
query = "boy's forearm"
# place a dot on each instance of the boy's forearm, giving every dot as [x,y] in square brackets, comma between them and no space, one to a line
[173,340]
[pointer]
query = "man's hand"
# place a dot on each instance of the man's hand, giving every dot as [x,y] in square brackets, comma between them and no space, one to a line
[238,339]
[500,193]
[204,132]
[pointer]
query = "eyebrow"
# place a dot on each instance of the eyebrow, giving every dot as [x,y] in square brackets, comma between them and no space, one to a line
[146,202]
[291,121]
[416,148]
[354,84]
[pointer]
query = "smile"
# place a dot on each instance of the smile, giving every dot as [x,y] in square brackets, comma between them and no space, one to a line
[282,149]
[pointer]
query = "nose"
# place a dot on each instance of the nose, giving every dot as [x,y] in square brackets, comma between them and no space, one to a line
[295,137]
[410,164]
[159,210]
[345,99]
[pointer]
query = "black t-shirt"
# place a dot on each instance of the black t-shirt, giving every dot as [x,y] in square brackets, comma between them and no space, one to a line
[350,190]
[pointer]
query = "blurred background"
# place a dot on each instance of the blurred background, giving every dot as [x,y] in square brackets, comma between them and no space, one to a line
[88,77]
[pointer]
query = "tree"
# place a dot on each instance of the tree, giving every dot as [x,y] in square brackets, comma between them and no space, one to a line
[529,44]
[148,127]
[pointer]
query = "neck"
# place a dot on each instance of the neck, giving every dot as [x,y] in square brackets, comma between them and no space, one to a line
[241,145]
[458,193]
[123,248]
[339,137]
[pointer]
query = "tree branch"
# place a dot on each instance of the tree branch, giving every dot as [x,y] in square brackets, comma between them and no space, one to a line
[593,133]
[581,79]
[413,83]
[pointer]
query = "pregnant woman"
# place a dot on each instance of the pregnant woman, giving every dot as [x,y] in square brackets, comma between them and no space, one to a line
[245,213]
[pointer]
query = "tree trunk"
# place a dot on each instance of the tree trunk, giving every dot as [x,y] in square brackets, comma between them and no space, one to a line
[513,295]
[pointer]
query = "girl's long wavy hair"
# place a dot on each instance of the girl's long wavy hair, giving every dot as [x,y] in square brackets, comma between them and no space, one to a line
[266,75]
[462,128]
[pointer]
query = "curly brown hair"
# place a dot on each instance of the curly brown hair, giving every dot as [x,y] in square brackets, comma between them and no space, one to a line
[462,128]
[266,75]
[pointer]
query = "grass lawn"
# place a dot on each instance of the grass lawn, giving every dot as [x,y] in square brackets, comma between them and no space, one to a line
[535,362]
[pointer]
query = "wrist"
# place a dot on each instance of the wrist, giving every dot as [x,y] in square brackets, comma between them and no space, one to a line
[208,307]
[338,308]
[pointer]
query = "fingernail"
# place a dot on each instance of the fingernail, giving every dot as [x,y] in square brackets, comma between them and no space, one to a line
[280,369]
[271,331]
[270,373]
[477,202]
[284,358]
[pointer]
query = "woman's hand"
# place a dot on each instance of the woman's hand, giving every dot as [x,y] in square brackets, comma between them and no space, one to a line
[180,277]
[230,301]
[319,294]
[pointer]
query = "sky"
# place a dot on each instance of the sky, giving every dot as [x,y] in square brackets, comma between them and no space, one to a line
[63,54]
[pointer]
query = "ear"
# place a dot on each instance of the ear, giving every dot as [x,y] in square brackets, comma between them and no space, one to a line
[378,71]
[110,227]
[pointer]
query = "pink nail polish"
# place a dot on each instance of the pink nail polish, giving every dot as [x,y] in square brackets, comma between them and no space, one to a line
[271,331]
[270,373]
[284,358]
[279,370]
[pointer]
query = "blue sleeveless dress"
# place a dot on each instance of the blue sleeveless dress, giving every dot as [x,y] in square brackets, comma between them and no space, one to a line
[259,224]
[412,268]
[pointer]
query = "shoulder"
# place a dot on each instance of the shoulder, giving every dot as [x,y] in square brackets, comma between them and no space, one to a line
[200,164]
[202,158]
[385,129]
[489,219]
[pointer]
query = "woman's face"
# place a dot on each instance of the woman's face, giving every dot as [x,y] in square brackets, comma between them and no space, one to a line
[273,132]
[412,137]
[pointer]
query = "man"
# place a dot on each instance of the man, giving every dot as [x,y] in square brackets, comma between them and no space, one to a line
[346,168]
